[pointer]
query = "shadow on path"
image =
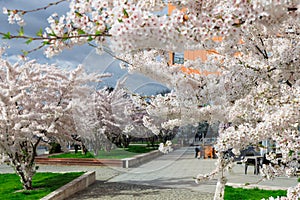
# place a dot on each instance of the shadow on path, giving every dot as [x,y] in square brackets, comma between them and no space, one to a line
[125,191]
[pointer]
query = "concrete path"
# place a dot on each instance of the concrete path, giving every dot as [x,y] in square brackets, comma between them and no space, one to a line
[177,169]
[167,177]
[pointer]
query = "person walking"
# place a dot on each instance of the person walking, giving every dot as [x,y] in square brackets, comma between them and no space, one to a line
[198,152]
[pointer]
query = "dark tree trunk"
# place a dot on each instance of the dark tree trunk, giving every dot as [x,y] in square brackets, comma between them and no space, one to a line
[26,179]
[23,162]
[126,141]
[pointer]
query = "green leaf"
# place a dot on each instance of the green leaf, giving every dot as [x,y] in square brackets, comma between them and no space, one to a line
[65,37]
[25,53]
[80,32]
[125,13]
[29,41]
[21,31]
[52,34]
[40,33]
[78,14]
[7,36]
[46,42]
[98,33]
[120,20]
[90,39]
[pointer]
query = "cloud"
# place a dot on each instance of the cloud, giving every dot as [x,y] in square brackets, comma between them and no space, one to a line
[34,21]
[68,58]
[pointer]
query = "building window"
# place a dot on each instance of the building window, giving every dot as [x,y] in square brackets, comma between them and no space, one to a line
[178,58]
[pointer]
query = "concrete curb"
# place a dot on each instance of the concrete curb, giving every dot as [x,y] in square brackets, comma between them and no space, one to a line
[252,186]
[71,188]
[140,159]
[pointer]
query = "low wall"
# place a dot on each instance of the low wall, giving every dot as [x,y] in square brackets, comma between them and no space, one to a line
[140,159]
[79,161]
[71,188]
[125,163]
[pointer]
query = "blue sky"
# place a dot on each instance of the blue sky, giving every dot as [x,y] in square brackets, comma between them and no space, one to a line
[68,58]
[35,21]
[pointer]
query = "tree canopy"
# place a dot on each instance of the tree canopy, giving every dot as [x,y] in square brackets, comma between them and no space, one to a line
[254,56]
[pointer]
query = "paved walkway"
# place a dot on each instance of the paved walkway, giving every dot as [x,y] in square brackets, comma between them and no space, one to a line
[167,177]
[177,169]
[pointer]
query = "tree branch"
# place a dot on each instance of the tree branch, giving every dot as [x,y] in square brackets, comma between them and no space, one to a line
[23,12]
[265,52]
[111,54]
[264,55]
[8,36]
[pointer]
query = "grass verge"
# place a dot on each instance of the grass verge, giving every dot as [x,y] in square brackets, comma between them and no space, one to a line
[250,194]
[118,153]
[43,184]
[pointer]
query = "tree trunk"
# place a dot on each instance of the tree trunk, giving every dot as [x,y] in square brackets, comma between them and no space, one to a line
[26,179]
[23,162]
[83,149]
[125,141]
[25,170]
[219,193]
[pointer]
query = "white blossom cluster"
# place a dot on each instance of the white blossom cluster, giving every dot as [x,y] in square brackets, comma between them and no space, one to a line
[133,25]
[35,107]
[14,16]
[165,148]
[292,194]
[148,123]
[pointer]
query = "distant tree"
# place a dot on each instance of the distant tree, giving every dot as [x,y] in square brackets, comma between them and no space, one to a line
[109,115]
[160,115]
[202,130]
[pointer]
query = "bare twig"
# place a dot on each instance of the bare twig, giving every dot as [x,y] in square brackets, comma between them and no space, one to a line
[264,55]
[35,49]
[23,12]
[112,55]
[116,57]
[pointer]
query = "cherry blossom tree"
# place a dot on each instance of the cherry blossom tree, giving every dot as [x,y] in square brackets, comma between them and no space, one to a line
[34,99]
[112,106]
[255,84]
[107,117]
[257,96]
[163,115]
[36,105]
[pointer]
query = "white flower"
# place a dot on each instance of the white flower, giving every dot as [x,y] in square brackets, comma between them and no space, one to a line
[5,11]
[168,143]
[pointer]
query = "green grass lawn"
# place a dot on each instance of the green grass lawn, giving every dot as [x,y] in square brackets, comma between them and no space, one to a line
[43,183]
[118,153]
[250,194]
